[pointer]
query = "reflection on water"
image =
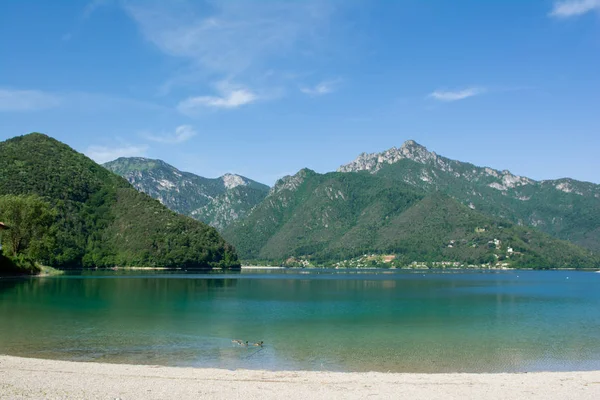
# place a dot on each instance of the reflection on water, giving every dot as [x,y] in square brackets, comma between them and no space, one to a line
[349,321]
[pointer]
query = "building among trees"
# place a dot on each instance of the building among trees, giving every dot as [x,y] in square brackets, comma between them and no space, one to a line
[3,227]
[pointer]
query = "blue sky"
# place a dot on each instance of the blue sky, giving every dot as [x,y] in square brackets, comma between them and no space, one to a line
[265,88]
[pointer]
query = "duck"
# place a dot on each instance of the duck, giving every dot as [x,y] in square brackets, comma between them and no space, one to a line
[236,341]
[259,343]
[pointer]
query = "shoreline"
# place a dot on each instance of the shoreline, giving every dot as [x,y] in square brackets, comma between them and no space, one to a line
[53,272]
[258,267]
[30,378]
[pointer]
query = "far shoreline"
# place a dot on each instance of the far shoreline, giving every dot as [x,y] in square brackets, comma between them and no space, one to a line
[30,378]
[52,272]
[258,267]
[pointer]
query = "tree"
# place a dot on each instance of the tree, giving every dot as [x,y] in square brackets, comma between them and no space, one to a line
[30,219]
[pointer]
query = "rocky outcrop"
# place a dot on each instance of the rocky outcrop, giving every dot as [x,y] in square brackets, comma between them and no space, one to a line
[373,162]
[291,182]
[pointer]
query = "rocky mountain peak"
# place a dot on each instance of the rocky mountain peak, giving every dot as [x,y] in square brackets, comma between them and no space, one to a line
[414,151]
[231,181]
[373,162]
[411,150]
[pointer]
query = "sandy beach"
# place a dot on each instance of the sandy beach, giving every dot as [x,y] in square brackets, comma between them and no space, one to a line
[24,378]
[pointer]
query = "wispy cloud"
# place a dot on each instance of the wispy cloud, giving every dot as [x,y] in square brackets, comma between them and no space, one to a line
[321,88]
[182,133]
[100,102]
[233,99]
[35,100]
[230,96]
[102,154]
[87,12]
[444,95]
[572,8]
[92,6]
[27,100]
[236,40]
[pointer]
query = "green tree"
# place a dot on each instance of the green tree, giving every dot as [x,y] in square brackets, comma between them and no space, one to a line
[30,220]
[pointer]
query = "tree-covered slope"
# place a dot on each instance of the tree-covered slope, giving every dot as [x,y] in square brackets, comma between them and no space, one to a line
[313,214]
[564,208]
[338,216]
[439,227]
[233,204]
[101,219]
[217,202]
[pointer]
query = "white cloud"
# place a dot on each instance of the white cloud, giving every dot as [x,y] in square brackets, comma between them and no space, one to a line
[571,8]
[230,96]
[322,88]
[443,95]
[102,154]
[224,39]
[233,99]
[182,133]
[26,100]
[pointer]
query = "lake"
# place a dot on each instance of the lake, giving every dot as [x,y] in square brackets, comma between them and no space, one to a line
[399,321]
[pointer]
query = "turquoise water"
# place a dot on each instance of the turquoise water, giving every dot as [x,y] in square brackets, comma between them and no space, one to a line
[312,320]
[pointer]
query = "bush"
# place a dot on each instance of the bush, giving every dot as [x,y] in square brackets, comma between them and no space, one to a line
[19,265]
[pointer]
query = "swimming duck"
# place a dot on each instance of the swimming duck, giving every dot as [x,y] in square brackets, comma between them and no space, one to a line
[237,342]
[259,344]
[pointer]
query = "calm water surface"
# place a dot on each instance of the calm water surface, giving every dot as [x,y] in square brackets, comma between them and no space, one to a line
[317,320]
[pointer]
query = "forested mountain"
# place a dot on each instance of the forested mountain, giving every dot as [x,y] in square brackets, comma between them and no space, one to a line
[100,219]
[217,202]
[564,208]
[337,216]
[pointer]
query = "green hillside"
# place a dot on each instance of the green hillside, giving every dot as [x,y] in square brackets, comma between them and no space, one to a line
[564,208]
[101,220]
[338,216]
[566,215]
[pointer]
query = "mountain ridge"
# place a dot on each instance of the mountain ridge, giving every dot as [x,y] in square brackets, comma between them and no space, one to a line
[556,207]
[323,218]
[215,201]
[410,149]
[135,164]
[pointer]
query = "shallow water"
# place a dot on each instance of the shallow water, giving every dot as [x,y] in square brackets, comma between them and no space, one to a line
[314,320]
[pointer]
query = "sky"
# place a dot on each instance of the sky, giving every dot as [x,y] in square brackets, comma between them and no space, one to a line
[264,88]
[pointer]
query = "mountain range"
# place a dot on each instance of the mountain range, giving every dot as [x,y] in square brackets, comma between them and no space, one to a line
[324,218]
[405,201]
